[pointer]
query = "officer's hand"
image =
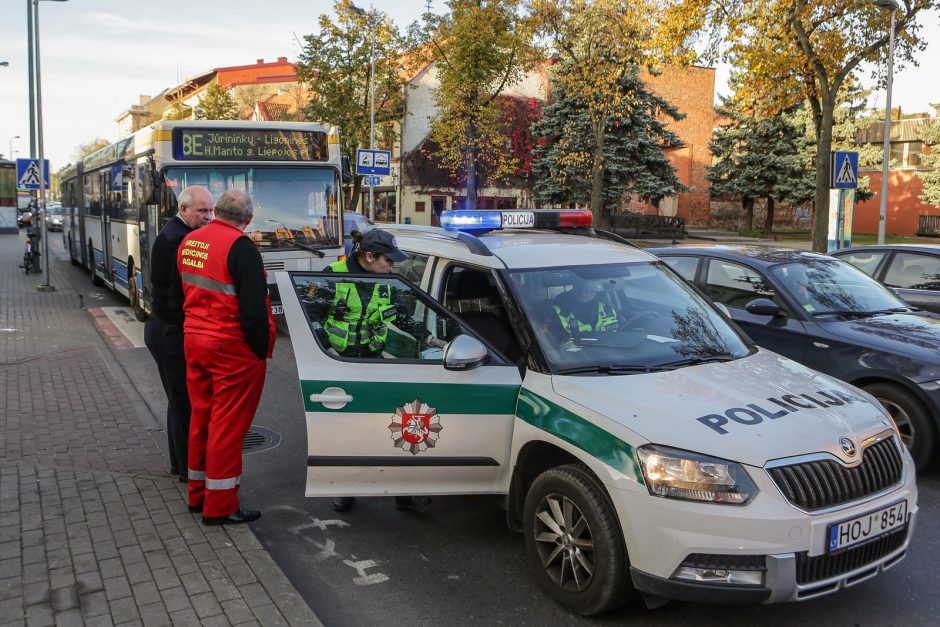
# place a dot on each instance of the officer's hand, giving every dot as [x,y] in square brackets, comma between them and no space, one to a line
[434,342]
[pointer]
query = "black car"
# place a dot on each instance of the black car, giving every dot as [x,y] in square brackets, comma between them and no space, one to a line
[828,315]
[912,271]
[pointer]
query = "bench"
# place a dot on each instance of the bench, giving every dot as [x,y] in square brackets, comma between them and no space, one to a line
[637,224]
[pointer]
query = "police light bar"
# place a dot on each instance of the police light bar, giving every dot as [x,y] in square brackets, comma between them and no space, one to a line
[489,220]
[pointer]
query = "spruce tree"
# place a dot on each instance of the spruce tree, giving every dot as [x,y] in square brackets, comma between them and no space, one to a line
[217,104]
[635,137]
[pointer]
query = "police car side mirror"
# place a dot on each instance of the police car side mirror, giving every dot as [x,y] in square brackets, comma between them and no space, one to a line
[464,353]
[764,307]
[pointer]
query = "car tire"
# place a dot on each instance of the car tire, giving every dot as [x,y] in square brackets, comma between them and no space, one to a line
[587,570]
[914,423]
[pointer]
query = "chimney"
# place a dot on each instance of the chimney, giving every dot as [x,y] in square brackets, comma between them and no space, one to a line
[282,59]
[260,61]
[144,99]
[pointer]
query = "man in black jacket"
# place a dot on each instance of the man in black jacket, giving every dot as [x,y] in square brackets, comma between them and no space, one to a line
[163,333]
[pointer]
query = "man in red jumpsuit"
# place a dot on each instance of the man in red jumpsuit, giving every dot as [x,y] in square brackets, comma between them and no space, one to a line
[228,334]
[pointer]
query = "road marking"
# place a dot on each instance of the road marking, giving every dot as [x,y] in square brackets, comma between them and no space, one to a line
[363,579]
[319,524]
[119,325]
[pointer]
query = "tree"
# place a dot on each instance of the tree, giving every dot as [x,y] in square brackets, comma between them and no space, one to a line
[481,47]
[758,157]
[634,138]
[217,103]
[178,110]
[600,41]
[335,64]
[931,137]
[795,50]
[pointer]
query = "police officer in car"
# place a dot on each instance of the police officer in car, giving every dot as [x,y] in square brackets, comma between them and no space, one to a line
[358,318]
[582,309]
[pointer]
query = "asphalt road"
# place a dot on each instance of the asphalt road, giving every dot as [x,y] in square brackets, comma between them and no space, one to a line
[457,563]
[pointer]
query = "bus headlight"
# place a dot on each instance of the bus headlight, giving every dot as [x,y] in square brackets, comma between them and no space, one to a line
[678,474]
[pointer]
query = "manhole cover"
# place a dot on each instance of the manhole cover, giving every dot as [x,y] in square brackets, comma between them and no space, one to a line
[260,439]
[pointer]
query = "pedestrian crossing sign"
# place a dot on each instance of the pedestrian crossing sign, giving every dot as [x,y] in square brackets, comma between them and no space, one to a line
[844,170]
[27,173]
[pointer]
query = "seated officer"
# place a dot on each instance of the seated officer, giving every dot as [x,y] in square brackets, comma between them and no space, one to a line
[582,309]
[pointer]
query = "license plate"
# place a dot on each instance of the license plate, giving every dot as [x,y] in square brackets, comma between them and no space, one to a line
[867,526]
[518,219]
[277,310]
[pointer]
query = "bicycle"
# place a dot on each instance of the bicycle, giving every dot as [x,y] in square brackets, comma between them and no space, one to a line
[31,255]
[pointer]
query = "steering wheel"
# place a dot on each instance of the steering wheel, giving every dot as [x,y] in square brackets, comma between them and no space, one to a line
[634,320]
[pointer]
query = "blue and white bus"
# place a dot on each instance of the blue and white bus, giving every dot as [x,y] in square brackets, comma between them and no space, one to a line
[116,200]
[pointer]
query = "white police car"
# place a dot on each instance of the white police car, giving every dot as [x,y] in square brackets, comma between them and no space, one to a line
[643,442]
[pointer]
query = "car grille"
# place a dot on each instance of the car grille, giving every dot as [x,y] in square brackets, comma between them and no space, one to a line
[811,569]
[826,483]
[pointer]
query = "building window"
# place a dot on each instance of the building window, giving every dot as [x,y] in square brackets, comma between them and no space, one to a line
[386,205]
[914,152]
[906,154]
[419,207]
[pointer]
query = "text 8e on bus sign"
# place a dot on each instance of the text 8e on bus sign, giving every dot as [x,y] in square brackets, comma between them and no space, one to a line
[378,162]
[844,168]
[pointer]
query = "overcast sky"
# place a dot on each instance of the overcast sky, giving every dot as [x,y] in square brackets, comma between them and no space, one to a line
[98,56]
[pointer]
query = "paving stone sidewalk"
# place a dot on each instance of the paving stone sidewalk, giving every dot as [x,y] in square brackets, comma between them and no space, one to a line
[93,530]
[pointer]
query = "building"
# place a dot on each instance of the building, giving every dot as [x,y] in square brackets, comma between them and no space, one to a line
[418,190]
[904,206]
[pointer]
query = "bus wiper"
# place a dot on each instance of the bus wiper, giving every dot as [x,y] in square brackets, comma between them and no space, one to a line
[293,240]
[609,369]
[694,361]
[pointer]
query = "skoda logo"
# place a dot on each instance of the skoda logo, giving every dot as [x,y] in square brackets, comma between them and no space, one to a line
[848,446]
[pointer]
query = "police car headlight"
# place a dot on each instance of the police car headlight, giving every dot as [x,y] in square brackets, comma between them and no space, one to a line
[679,474]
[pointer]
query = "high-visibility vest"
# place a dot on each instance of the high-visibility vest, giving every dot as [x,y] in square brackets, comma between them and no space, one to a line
[348,326]
[210,302]
[605,320]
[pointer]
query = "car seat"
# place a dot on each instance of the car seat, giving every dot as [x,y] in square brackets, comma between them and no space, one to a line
[475,299]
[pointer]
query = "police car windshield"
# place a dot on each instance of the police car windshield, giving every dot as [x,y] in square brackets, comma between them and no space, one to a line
[835,288]
[622,319]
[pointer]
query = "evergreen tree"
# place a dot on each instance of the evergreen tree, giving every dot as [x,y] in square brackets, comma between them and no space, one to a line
[931,137]
[217,104]
[759,157]
[633,158]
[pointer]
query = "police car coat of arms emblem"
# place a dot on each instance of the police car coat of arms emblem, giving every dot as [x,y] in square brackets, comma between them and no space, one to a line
[415,427]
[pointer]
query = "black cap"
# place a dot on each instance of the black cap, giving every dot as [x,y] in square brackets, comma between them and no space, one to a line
[379,242]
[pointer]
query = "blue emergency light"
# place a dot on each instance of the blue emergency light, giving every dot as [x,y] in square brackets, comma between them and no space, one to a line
[483,220]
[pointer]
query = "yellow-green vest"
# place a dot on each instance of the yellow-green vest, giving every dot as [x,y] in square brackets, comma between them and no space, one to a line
[347,325]
[605,320]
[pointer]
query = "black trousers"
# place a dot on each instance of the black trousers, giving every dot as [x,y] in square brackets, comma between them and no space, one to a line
[165,342]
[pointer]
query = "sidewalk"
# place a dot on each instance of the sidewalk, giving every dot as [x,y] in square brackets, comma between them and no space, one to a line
[93,529]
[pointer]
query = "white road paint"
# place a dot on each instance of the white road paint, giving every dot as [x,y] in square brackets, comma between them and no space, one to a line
[326,546]
[123,318]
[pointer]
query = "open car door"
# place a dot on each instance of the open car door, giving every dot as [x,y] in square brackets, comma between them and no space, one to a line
[402,422]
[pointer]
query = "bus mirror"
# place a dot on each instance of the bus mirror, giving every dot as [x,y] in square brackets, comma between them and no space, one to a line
[346,173]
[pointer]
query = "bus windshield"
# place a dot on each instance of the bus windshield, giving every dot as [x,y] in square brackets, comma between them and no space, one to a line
[294,206]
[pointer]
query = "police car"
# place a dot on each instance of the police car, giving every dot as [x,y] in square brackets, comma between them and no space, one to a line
[643,442]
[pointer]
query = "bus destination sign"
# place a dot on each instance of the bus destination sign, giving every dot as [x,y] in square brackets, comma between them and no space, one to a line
[210,144]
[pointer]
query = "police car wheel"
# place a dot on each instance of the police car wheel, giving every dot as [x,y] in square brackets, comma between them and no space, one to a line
[911,419]
[574,543]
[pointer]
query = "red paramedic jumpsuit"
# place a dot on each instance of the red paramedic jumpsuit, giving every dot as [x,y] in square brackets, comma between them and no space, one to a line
[224,376]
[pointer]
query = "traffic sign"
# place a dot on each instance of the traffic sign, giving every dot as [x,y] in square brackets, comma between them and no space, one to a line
[374,162]
[371,180]
[844,170]
[27,173]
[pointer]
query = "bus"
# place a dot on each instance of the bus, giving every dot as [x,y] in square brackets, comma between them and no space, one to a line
[116,200]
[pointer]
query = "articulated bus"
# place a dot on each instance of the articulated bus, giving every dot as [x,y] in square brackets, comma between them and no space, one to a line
[116,200]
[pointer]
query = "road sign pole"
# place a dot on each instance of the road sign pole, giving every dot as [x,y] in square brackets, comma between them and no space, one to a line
[45,286]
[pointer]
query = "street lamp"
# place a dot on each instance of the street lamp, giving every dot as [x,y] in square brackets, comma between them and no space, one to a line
[11,145]
[33,25]
[893,6]
[355,9]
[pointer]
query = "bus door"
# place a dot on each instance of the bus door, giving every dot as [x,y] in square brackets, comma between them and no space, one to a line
[107,204]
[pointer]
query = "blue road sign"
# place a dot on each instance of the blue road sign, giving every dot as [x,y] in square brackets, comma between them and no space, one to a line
[371,180]
[844,170]
[374,162]
[27,173]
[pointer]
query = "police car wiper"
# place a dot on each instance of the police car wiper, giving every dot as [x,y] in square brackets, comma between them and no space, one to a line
[861,314]
[694,361]
[609,369]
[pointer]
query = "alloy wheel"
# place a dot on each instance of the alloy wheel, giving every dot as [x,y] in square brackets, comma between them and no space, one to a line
[901,420]
[564,543]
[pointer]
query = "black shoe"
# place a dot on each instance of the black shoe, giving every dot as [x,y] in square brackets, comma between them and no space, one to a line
[195,509]
[184,479]
[343,503]
[241,516]
[174,470]
[411,502]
